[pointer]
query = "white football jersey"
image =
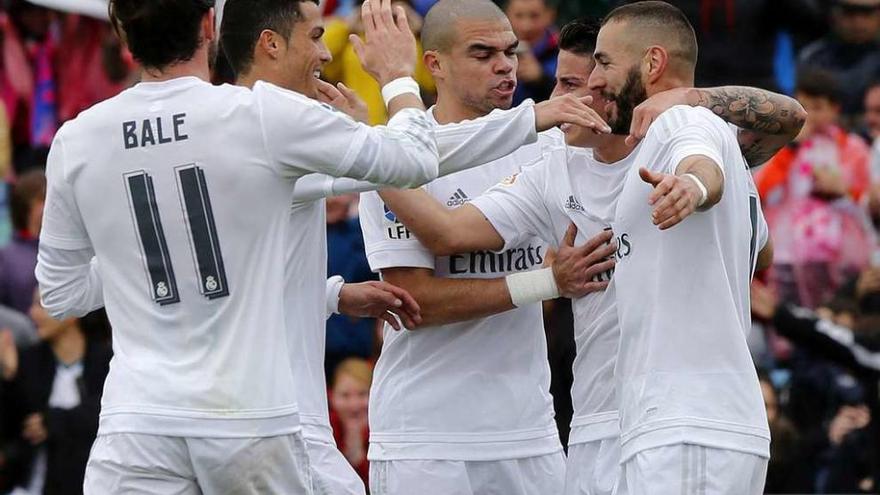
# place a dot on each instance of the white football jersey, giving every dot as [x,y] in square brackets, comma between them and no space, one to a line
[684,370]
[475,390]
[570,186]
[460,146]
[183,191]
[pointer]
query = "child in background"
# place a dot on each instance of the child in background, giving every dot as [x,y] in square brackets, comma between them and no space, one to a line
[811,191]
[349,402]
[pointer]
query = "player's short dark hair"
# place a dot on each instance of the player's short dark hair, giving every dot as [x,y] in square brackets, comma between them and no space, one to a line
[29,187]
[244,20]
[159,32]
[660,19]
[818,83]
[579,36]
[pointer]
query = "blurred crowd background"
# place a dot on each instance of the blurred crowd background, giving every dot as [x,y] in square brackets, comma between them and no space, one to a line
[816,335]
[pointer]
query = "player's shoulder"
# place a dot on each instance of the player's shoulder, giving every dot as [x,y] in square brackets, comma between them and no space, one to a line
[268,94]
[679,117]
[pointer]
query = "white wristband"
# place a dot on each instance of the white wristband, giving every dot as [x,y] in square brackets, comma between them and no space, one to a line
[531,287]
[399,87]
[334,287]
[701,187]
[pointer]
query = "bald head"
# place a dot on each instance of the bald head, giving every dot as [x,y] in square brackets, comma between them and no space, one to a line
[439,31]
[654,23]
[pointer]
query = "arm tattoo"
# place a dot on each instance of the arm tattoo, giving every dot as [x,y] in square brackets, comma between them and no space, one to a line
[767,120]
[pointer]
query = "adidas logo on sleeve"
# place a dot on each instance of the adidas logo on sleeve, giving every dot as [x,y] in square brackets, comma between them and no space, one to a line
[459,198]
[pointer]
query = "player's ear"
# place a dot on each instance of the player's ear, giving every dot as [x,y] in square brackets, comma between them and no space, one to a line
[270,43]
[432,62]
[654,63]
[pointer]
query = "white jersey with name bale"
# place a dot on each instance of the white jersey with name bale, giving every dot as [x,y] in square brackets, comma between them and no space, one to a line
[182,191]
[469,391]
[684,371]
[570,186]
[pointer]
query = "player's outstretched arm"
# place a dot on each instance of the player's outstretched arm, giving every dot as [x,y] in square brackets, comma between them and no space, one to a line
[767,120]
[450,300]
[443,231]
[697,184]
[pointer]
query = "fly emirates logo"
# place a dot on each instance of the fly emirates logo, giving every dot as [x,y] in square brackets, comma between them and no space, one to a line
[518,259]
[624,249]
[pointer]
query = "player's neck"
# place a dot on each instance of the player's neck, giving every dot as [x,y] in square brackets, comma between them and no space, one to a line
[448,111]
[612,150]
[196,67]
[70,346]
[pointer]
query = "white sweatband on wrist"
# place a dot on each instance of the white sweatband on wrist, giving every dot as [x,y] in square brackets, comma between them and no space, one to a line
[531,287]
[334,287]
[400,86]
[702,187]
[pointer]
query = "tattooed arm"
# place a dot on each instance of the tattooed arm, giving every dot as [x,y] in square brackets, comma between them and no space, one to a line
[767,121]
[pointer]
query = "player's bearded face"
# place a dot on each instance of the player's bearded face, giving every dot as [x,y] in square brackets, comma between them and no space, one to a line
[625,100]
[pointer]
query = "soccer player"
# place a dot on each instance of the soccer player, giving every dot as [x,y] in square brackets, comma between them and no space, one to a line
[691,410]
[462,405]
[574,186]
[180,191]
[279,41]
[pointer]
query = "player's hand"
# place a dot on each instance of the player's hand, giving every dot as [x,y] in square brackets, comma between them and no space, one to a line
[380,300]
[647,112]
[674,197]
[576,268]
[764,302]
[389,51]
[8,355]
[34,429]
[343,99]
[569,110]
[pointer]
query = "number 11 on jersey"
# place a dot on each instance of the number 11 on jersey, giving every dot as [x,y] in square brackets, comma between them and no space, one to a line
[201,230]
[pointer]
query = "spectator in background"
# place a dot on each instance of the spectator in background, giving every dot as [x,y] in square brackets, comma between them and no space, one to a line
[56,395]
[810,190]
[19,258]
[849,461]
[788,471]
[851,50]
[346,336]
[35,125]
[346,67]
[349,401]
[738,38]
[532,22]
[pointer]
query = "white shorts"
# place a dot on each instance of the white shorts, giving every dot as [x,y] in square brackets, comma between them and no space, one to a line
[129,463]
[541,475]
[593,468]
[331,472]
[694,470]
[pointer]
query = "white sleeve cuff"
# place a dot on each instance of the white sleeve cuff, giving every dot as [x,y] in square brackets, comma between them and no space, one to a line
[334,287]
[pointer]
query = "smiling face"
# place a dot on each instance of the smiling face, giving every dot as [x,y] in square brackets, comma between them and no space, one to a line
[617,76]
[479,69]
[572,77]
[304,55]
